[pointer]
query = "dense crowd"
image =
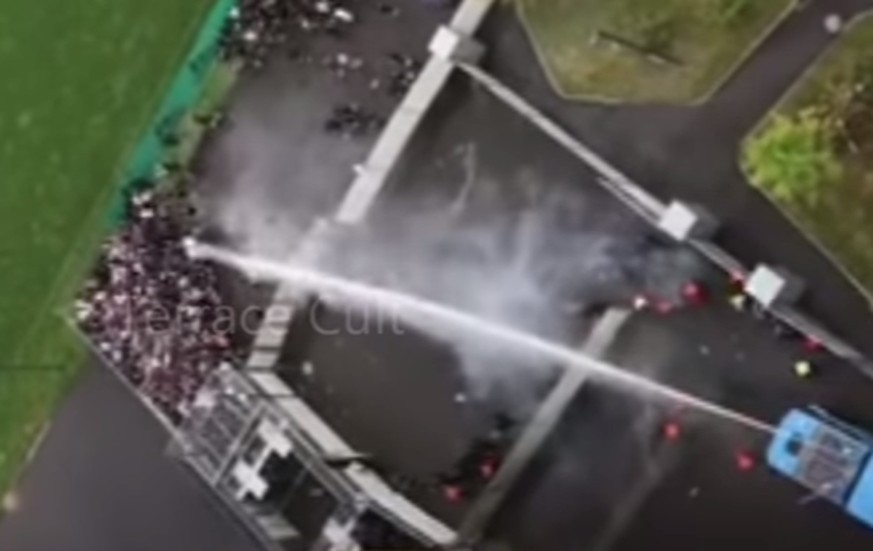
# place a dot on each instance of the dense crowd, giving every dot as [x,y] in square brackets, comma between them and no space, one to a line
[153,313]
[257,27]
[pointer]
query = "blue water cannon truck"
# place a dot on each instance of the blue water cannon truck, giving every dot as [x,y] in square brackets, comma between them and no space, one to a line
[833,459]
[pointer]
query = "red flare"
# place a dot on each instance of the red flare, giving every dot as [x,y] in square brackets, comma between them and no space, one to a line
[672,431]
[811,344]
[745,461]
[641,302]
[488,468]
[737,280]
[694,293]
[453,493]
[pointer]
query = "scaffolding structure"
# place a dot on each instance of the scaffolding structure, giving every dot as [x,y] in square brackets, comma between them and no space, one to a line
[270,476]
[284,473]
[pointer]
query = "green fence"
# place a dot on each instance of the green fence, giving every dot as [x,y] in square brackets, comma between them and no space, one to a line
[181,97]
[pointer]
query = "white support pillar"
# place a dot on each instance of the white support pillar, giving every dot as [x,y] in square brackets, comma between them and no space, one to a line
[455,47]
[771,287]
[684,222]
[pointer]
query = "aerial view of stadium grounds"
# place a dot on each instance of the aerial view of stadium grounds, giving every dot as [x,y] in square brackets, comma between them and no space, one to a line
[472,275]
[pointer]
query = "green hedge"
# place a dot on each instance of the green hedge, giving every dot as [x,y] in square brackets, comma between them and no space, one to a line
[182,96]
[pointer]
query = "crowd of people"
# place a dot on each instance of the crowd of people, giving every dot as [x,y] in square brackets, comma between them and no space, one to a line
[150,311]
[153,313]
[258,29]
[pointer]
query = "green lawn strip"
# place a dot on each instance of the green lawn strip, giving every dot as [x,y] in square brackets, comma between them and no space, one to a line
[48,363]
[30,394]
[81,83]
[218,84]
[840,221]
[709,39]
[56,352]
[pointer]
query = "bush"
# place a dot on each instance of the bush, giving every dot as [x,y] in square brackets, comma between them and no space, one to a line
[794,157]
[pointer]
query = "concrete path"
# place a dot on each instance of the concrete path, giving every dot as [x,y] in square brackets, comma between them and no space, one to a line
[734,110]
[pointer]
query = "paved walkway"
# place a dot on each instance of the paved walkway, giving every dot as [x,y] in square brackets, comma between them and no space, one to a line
[781,60]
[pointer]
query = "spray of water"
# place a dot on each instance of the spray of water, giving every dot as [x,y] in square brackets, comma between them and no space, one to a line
[419,310]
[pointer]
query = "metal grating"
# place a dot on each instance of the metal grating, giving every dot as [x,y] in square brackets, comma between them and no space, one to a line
[220,416]
[830,462]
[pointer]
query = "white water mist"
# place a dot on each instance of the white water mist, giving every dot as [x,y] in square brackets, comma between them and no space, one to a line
[444,319]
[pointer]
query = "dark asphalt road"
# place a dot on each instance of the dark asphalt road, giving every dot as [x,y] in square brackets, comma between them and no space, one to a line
[692,496]
[734,359]
[101,482]
[608,480]
[598,484]
[478,195]
[734,510]
[692,152]
[597,455]
[389,395]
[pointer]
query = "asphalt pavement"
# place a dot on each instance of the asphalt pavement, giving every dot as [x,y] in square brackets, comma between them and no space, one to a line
[102,482]
[610,479]
[481,210]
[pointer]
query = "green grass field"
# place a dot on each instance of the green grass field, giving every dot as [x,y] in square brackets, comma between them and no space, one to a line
[839,217]
[81,80]
[705,38]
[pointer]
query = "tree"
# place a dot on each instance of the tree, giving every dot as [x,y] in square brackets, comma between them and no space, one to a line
[794,157]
